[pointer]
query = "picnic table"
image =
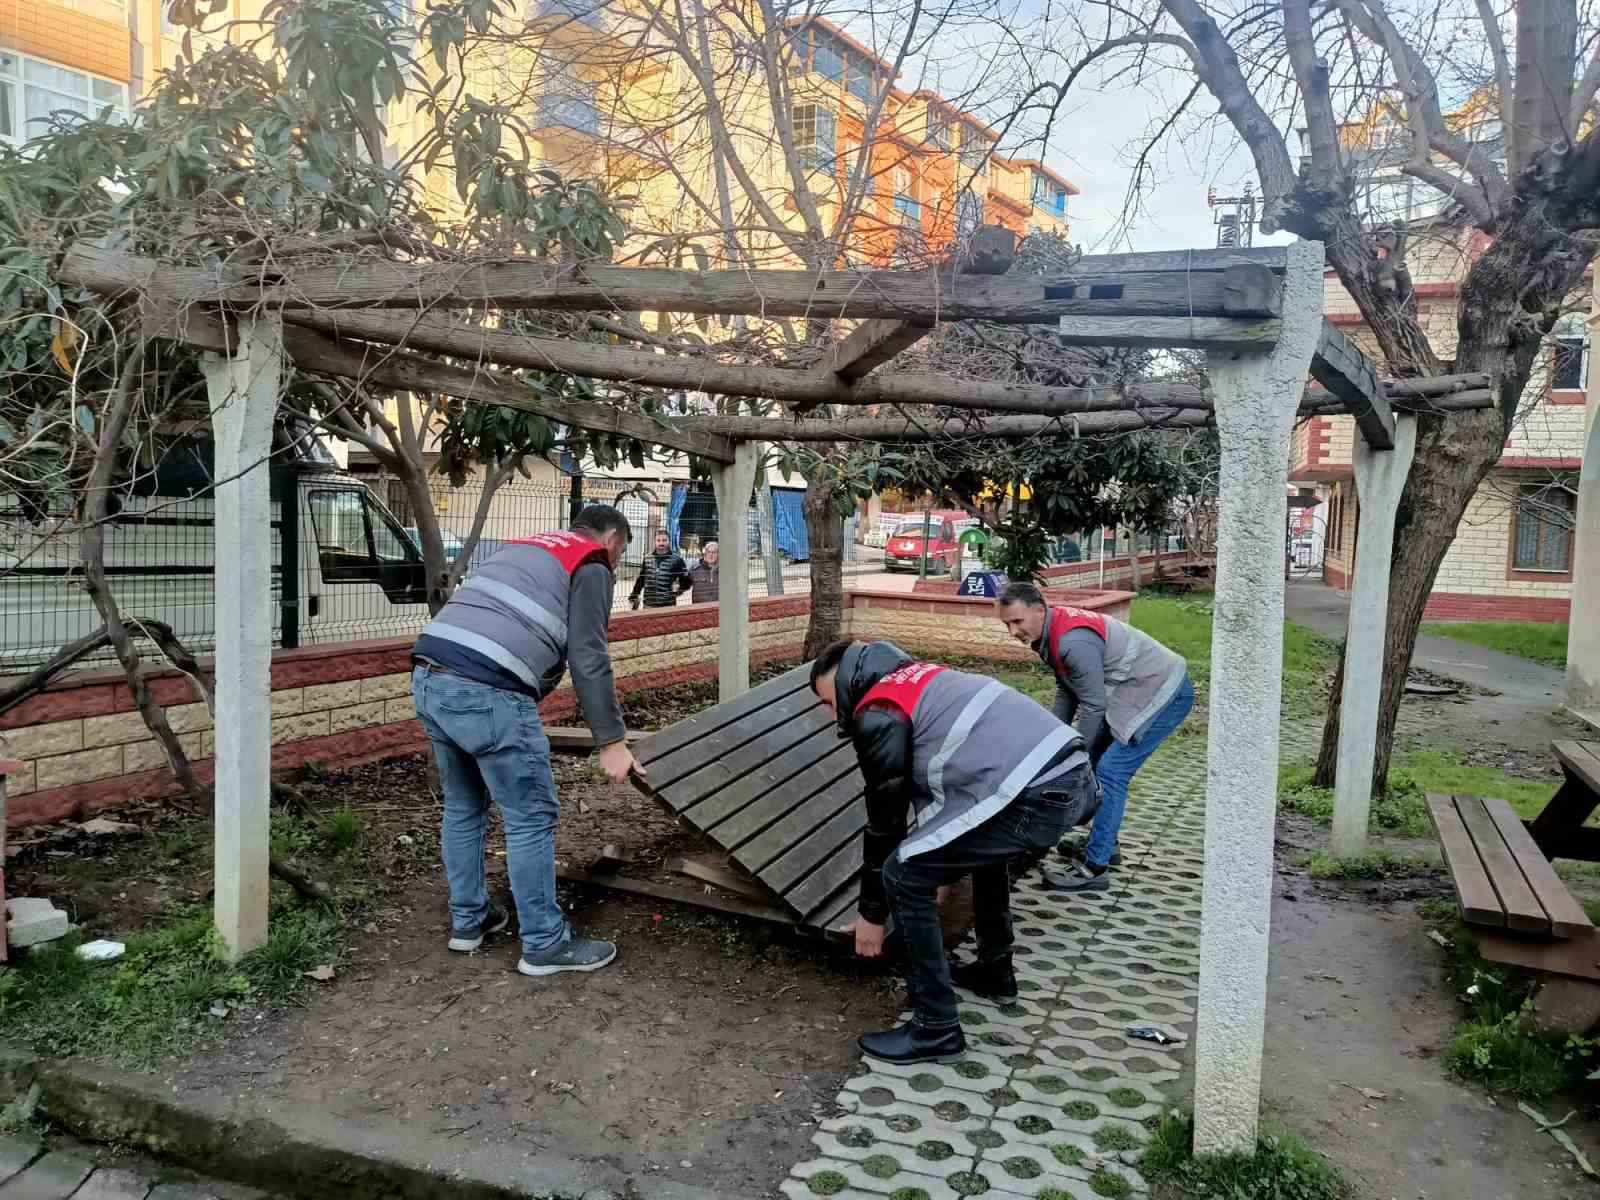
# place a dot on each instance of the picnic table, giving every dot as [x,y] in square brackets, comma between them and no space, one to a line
[1519,910]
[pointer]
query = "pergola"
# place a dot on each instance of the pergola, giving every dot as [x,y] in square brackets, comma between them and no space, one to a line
[1257,313]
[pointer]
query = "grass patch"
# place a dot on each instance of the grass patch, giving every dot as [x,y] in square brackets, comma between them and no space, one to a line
[1114,1138]
[341,828]
[827,1183]
[1281,1168]
[1496,1044]
[1067,1153]
[1540,641]
[1109,1183]
[148,1002]
[1403,809]
[1374,864]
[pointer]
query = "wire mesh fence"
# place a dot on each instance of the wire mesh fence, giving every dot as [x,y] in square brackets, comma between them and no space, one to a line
[347,560]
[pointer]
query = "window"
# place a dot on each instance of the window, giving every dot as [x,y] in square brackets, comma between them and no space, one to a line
[827,58]
[969,213]
[572,106]
[32,89]
[814,136]
[355,543]
[1569,369]
[974,147]
[862,81]
[1334,535]
[1047,193]
[939,129]
[908,208]
[1542,529]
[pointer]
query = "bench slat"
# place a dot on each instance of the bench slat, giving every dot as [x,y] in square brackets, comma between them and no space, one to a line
[1567,918]
[1480,904]
[1582,759]
[1522,908]
[733,750]
[676,737]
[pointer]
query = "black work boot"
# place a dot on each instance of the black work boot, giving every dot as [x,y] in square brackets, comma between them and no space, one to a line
[994,979]
[910,1044]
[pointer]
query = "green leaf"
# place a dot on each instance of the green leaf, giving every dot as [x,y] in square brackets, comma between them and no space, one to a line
[86,419]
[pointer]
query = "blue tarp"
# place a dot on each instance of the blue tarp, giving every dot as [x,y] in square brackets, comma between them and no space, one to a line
[680,497]
[789,520]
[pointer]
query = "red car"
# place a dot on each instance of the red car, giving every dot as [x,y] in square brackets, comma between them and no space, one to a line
[904,550]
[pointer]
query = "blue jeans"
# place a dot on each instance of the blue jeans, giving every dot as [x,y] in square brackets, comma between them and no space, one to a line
[1117,765]
[490,745]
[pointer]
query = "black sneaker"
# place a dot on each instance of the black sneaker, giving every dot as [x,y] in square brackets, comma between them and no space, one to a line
[578,953]
[466,940]
[995,980]
[1074,848]
[1077,876]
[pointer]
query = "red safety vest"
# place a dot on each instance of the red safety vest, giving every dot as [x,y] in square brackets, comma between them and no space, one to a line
[902,687]
[1064,618]
[570,549]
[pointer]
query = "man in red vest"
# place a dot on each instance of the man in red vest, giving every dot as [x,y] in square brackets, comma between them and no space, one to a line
[991,776]
[501,644]
[1122,689]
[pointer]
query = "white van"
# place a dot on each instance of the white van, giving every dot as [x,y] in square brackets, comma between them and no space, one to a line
[343,567]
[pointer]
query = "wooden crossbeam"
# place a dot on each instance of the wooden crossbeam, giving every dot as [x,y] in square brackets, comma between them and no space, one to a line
[1339,366]
[1202,293]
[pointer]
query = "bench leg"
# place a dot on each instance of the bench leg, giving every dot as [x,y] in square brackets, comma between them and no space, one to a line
[1566,1005]
[1568,809]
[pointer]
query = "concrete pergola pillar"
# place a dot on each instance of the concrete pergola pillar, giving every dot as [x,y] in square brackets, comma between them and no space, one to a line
[1583,625]
[733,482]
[1380,478]
[243,393]
[1257,395]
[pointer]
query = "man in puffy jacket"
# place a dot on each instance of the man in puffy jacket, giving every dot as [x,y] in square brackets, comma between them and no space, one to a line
[1122,689]
[499,646]
[991,775]
[663,577]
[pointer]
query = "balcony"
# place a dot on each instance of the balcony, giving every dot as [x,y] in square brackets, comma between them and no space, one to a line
[568,114]
[577,26]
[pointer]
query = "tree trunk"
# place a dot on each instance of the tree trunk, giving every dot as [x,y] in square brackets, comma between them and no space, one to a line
[1453,456]
[825,530]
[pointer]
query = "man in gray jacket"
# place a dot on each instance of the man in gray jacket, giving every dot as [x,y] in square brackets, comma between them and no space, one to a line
[1122,689]
[499,646]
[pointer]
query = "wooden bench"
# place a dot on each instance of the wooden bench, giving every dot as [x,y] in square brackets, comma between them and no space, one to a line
[1559,830]
[1519,910]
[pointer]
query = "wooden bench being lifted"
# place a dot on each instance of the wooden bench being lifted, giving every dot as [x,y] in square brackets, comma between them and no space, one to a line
[1519,910]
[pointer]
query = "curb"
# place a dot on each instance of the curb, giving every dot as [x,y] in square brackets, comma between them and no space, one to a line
[298,1155]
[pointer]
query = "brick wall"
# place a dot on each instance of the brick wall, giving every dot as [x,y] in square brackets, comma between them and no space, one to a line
[955,625]
[71,38]
[85,749]
[1083,575]
[1457,606]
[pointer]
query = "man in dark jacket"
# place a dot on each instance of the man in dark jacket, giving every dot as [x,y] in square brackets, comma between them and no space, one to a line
[1121,688]
[499,646]
[991,775]
[703,579]
[663,577]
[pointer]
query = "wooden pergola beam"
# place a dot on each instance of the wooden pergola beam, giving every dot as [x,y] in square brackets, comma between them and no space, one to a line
[900,428]
[1339,366]
[1202,303]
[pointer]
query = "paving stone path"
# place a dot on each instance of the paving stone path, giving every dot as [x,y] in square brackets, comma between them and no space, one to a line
[1051,1098]
[31,1169]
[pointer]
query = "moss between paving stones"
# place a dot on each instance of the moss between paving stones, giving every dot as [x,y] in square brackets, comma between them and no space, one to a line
[1001,1096]
[1109,1183]
[1126,1097]
[925,1083]
[951,1110]
[857,1137]
[971,1070]
[827,1183]
[1021,1167]
[986,1139]
[935,1151]
[968,1017]
[881,1166]
[1034,1124]
[1080,1110]
[909,1193]
[1096,1074]
[1050,1085]
[967,1183]
[1115,1137]
[1066,1152]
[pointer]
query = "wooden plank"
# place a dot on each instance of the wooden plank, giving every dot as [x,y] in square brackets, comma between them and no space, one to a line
[712,761]
[1582,759]
[666,741]
[1176,332]
[1341,367]
[801,736]
[761,833]
[1480,903]
[1522,908]
[821,753]
[870,345]
[575,739]
[1578,956]
[1252,291]
[695,897]
[1220,259]
[808,896]
[726,880]
[1567,918]
[813,850]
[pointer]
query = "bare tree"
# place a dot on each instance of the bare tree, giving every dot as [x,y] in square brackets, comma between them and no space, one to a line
[1490,112]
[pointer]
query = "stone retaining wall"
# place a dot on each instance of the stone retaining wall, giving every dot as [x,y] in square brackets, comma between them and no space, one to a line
[85,748]
[957,625]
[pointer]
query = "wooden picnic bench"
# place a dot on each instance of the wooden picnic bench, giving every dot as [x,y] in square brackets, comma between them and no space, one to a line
[1516,906]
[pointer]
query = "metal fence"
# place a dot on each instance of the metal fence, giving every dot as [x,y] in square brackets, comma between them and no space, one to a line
[346,564]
